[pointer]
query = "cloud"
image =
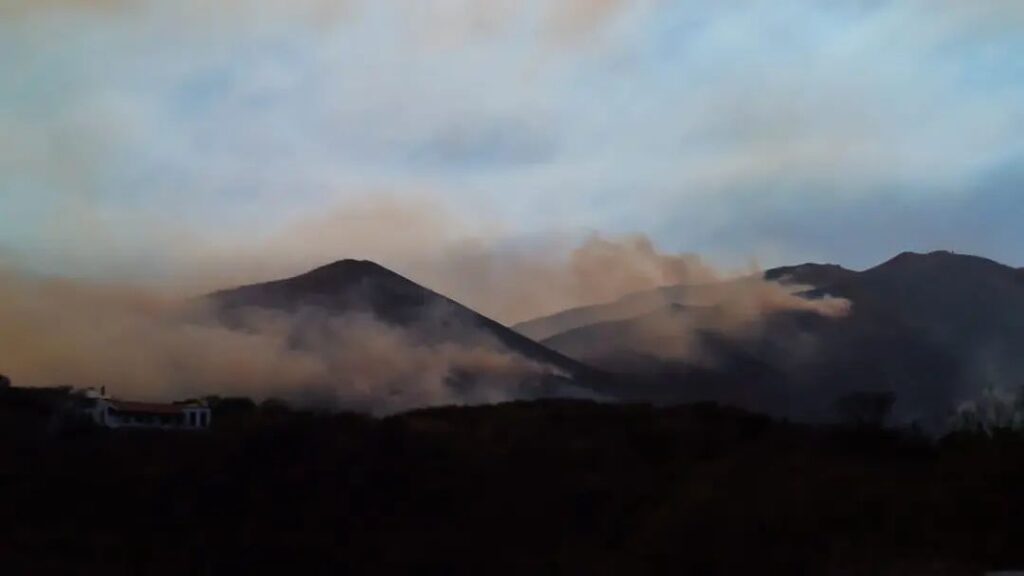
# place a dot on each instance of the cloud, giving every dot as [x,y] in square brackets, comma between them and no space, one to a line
[666,119]
[572,18]
[21,8]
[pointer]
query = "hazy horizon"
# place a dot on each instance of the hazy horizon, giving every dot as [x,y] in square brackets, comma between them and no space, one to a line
[521,158]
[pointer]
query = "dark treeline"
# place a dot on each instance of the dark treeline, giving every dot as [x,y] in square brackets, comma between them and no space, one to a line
[549,487]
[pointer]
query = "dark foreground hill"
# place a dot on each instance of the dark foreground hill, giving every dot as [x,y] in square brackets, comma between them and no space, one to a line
[934,330]
[551,487]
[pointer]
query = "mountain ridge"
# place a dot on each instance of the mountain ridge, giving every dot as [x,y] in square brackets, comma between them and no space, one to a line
[427,318]
[933,328]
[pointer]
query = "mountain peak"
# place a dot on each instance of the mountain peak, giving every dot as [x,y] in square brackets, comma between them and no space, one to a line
[935,255]
[350,268]
[365,287]
[812,274]
[342,275]
[938,259]
[344,284]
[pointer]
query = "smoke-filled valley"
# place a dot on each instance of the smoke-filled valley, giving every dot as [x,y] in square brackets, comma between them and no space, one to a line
[488,287]
[649,327]
[351,334]
[937,333]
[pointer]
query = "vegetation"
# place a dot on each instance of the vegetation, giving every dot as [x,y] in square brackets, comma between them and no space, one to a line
[549,487]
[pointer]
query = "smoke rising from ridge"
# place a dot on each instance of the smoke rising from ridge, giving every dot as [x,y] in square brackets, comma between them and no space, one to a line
[476,260]
[671,324]
[144,339]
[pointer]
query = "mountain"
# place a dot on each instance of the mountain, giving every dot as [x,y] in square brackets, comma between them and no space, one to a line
[366,289]
[933,329]
[810,274]
[639,336]
[627,307]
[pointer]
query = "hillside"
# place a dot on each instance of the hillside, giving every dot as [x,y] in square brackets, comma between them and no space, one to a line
[551,487]
[627,307]
[359,288]
[810,274]
[934,329]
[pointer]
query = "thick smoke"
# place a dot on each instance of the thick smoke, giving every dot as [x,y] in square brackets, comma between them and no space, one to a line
[732,309]
[152,342]
[142,345]
[668,322]
[471,261]
[476,261]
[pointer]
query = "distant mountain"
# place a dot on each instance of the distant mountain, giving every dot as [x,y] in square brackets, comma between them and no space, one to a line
[362,287]
[810,274]
[934,329]
[965,304]
[636,337]
[341,287]
[626,307]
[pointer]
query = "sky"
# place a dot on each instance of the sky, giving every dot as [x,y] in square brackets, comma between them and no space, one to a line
[146,138]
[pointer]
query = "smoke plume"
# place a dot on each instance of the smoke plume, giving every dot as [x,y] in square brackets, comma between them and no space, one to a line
[140,344]
[474,260]
[147,340]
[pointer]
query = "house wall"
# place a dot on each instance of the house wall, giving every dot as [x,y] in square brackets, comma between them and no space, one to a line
[104,414]
[197,418]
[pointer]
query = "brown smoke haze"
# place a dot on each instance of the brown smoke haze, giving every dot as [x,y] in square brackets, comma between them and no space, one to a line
[668,324]
[473,260]
[145,340]
[141,345]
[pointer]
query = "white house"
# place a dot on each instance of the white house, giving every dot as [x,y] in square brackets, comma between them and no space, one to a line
[192,415]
